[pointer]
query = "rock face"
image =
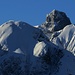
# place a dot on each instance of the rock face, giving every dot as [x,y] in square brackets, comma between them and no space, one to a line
[55,21]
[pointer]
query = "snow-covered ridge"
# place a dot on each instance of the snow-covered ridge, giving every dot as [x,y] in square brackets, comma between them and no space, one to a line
[66,39]
[21,33]
[19,43]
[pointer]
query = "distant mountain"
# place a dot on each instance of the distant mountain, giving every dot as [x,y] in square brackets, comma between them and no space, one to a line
[47,49]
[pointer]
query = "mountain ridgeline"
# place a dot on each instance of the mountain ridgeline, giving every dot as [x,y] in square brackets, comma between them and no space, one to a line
[46,49]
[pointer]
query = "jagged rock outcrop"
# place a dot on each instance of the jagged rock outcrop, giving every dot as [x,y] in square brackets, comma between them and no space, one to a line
[56,20]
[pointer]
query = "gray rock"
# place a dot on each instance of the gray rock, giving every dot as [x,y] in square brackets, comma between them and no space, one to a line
[55,21]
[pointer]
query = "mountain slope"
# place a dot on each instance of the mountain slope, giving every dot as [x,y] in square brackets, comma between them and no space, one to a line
[23,48]
[66,39]
[59,30]
[21,33]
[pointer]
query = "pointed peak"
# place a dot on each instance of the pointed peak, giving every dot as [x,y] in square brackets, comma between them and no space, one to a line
[54,11]
[55,16]
[57,13]
[57,20]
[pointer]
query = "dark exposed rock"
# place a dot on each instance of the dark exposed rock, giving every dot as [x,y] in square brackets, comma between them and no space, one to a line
[55,21]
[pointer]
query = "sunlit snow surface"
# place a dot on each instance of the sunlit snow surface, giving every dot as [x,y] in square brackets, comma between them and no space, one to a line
[66,39]
[25,50]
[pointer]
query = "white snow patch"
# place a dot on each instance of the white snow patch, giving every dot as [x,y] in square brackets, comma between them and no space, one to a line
[40,49]
[18,51]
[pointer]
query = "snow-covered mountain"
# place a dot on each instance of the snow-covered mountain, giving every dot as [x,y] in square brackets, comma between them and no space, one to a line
[47,49]
[59,30]
[25,50]
[56,20]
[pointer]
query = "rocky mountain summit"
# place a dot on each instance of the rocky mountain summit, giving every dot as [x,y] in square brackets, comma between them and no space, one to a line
[48,49]
[59,29]
[56,20]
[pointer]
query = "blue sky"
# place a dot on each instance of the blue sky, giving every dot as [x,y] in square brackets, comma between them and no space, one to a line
[34,11]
